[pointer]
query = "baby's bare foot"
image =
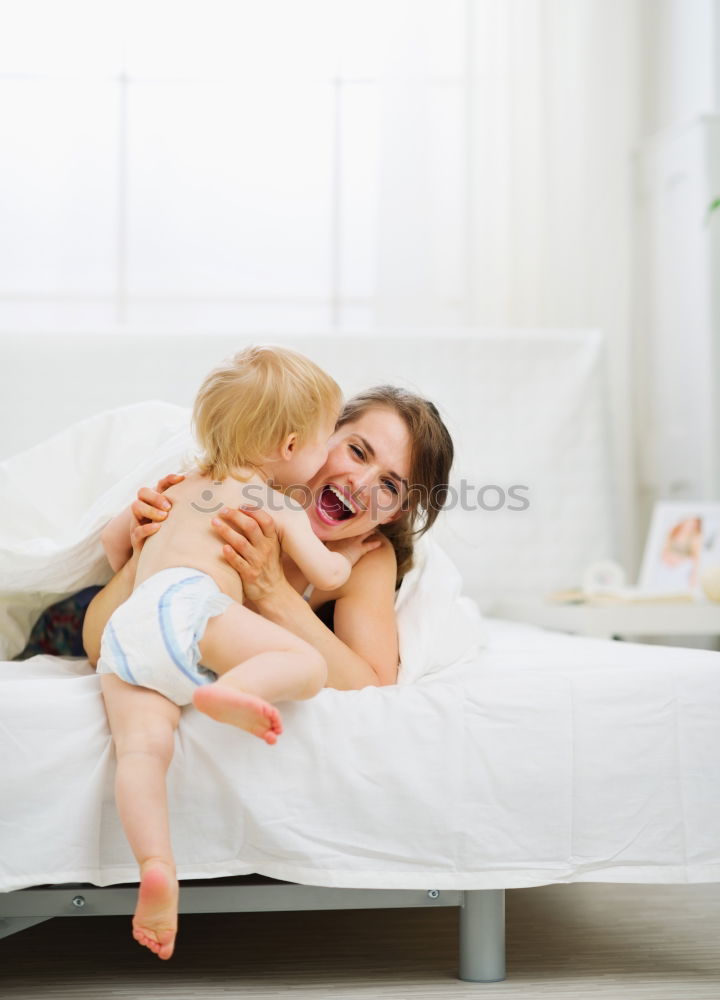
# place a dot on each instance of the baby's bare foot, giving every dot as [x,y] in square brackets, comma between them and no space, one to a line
[238,708]
[155,920]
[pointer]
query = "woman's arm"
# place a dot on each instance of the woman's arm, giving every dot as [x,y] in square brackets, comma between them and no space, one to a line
[115,538]
[365,613]
[144,517]
[102,606]
[363,650]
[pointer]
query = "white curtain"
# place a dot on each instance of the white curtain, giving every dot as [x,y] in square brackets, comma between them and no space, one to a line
[514,205]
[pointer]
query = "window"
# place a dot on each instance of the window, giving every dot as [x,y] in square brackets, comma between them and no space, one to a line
[217,165]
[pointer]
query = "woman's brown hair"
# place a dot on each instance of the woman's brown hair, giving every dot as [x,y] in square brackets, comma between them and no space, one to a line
[431,457]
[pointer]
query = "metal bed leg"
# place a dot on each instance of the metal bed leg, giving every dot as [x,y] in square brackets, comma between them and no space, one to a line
[482,936]
[11,925]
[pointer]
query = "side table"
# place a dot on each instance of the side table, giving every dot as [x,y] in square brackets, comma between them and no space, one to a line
[609,621]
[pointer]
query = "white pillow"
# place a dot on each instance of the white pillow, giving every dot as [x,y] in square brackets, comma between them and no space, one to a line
[437,626]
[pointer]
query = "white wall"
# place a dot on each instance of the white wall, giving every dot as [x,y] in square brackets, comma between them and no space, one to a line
[682,73]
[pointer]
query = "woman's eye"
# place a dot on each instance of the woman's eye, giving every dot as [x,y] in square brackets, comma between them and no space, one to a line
[358,452]
[389,484]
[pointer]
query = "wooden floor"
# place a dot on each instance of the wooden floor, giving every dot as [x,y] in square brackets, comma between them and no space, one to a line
[619,941]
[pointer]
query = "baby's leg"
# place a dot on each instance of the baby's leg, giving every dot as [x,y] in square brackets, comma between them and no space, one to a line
[259,663]
[143,725]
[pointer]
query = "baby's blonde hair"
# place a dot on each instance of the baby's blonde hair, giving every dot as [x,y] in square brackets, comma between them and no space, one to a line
[246,408]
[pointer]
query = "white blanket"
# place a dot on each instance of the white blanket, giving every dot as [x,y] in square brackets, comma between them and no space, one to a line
[57,496]
[539,758]
[548,759]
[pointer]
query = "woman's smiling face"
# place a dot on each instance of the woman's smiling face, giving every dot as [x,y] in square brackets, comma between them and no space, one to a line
[365,479]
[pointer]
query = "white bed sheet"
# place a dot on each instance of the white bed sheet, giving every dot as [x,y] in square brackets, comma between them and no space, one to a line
[546,758]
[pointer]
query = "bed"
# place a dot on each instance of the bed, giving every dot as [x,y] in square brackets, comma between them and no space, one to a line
[506,756]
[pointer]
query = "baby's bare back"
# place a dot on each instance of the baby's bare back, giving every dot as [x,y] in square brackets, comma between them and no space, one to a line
[187,538]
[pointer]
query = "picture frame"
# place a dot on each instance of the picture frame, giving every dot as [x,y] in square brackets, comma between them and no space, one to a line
[683,540]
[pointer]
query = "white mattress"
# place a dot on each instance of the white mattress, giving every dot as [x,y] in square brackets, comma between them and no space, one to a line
[547,758]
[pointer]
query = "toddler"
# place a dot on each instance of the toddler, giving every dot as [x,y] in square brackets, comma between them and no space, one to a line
[263,422]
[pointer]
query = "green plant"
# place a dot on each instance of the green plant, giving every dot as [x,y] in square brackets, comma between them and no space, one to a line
[711,208]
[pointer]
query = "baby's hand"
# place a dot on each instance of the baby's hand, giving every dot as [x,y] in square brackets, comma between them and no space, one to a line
[355,548]
[150,509]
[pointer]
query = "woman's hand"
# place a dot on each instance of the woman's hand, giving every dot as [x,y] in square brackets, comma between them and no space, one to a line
[252,549]
[355,548]
[150,509]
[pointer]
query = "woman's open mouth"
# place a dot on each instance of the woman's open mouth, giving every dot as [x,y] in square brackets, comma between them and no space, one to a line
[334,506]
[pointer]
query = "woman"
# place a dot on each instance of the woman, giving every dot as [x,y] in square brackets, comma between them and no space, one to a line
[385,480]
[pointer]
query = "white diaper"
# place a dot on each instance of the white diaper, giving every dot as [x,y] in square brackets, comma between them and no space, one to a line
[152,639]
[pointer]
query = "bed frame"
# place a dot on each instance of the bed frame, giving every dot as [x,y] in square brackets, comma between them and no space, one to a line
[482,911]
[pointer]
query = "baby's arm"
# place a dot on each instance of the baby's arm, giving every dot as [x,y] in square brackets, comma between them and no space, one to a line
[324,569]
